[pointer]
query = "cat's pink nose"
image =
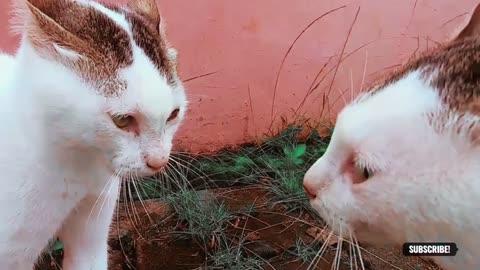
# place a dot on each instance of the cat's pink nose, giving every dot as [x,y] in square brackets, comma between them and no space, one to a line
[309,190]
[156,163]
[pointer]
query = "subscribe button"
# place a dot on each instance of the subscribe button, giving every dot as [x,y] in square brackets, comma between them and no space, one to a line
[430,249]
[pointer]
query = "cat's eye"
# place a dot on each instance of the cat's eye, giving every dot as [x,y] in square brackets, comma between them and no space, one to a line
[122,121]
[359,173]
[366,173]
[363,174]
[173,115]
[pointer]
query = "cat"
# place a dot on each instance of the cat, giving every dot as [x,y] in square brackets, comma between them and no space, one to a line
[91,97]
[403,162]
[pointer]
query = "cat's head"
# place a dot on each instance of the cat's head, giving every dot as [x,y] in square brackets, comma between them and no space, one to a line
[404,155]
[105,77]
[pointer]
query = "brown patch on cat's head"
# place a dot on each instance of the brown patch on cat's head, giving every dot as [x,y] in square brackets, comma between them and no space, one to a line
[147,9]
[149,34]
[452,68]
[154,46]
[92,44]
[98,46]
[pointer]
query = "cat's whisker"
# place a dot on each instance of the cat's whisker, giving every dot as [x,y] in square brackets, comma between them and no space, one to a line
[313,264]
[351,86]
[129,198]
[166,182]
[338,253]
[352,249]
[133,214]
[355,243]
[169,179]
[360,253]
[141,187]
[163,179]
[351,255]
[364,71]
[177,171]
[100,195]
[190,167]
[352,241]
[120,235]
[125,201]
[106,196]
[134,181]
[136,216]
[184,179]
[342,95]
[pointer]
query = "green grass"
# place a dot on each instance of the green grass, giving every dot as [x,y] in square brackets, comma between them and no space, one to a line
[54,247]
[278,164]
[205,218]
[307,253]
[233,258]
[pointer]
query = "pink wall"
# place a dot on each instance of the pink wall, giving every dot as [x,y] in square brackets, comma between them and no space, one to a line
[244,42]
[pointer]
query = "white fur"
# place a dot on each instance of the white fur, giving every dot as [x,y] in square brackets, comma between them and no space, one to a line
[62,158]
[7,63]
[425,184]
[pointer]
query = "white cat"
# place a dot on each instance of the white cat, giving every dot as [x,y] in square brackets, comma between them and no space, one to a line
[90,98]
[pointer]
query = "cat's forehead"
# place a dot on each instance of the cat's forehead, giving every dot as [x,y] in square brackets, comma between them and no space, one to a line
[148,93]
[399,108]
[392,129]
[107,36]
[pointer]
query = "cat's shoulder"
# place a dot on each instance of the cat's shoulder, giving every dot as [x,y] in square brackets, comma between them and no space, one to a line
[7,62]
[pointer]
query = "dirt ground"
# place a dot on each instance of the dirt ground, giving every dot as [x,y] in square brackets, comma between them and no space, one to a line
[146,240]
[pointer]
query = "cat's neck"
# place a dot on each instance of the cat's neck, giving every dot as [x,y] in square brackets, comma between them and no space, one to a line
[39,95]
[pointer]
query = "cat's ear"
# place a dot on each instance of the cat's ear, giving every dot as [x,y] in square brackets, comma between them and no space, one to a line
[473,26]
[41,21]
[146,8]
[172,54]
[149,10]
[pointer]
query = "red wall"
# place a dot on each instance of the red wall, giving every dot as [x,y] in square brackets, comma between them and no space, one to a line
[244,42]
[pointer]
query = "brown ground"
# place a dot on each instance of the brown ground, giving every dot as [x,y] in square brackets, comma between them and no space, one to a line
[137,243]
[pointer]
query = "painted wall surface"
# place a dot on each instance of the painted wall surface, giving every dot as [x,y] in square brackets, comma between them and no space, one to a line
[243,44]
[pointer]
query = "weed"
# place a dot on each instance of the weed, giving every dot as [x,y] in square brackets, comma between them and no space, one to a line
[234,259]
[294,154]
[206,218]
[55,247]
[307,252]
[279,163]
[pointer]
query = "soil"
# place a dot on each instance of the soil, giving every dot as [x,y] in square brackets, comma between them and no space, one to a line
[151,238]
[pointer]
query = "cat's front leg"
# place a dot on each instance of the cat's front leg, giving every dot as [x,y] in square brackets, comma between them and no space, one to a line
[85,233]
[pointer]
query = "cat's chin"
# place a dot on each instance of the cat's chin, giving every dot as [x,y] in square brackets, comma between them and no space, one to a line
[137,173]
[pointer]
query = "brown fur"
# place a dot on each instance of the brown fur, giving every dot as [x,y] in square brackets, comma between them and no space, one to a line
[454,69]
[149,34]
[147,9]
[146,37]
[104,46]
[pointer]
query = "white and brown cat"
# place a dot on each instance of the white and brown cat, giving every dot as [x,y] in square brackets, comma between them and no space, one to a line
[403,164]
[91,97]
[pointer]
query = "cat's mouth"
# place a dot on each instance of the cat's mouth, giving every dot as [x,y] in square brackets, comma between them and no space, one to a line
[138,173]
